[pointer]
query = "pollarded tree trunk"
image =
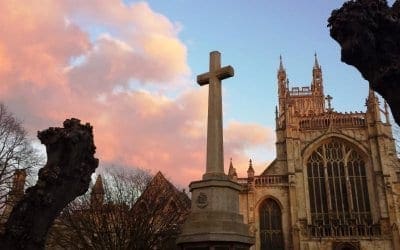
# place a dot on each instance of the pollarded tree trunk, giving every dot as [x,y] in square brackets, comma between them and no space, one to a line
[66,175]
[368,32]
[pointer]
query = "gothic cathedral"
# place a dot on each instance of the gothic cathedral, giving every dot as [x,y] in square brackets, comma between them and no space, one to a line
[335,181]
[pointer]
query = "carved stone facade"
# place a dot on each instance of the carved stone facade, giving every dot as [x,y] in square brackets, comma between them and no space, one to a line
[335,181]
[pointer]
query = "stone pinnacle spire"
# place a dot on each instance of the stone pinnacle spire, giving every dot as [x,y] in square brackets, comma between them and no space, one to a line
[232,172]
[250,170]
[316,64]
[281,63]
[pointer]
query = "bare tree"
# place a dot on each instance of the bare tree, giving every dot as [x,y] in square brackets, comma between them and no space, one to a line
[65,176]
[16,151]
[137,212]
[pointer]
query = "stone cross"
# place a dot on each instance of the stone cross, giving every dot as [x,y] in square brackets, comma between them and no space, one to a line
[329,99]
[215,152]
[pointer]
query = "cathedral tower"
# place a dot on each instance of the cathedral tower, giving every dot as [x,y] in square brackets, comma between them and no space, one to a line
[334,183]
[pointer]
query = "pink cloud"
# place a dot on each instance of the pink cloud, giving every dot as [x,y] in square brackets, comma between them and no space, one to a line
[149,41]
[240,139]
[36,42]
[133,127]
[241,136]
[154,131]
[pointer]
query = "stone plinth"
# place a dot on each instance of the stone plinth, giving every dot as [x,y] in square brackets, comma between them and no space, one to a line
[215,222]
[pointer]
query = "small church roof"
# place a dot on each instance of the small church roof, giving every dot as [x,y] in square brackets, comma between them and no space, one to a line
[159,182]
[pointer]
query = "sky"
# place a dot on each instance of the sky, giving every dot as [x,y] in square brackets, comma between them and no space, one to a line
[129,69]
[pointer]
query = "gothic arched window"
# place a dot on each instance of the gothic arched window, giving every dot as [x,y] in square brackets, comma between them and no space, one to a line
[271,225]
[338,189]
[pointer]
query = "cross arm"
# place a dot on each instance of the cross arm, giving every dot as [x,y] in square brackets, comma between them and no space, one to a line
[221,74]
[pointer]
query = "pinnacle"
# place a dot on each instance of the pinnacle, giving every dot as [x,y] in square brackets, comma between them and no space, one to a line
[281,68]
[316,63]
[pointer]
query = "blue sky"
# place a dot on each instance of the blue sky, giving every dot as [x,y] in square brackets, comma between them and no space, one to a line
[251,35]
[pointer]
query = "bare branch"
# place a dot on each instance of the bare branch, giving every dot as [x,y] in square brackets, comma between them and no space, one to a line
[16,152]
[138,213]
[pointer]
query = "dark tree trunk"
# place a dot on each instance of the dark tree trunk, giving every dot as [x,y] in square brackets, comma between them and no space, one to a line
[368,32]
[66,175]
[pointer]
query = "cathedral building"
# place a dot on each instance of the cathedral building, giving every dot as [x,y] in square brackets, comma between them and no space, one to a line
[334,183]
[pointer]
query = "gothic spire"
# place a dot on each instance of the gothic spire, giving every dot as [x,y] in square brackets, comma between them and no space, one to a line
[282,80]
[316,64]
[372,100]
[372,104]
[231,168]
[232,172]
[371,94]
[281,68]
[317,84]
[250,170]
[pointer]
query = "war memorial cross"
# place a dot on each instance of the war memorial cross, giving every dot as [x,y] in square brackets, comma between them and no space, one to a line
[215,152]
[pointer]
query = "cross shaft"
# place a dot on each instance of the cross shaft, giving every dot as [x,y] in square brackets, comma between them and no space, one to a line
[215,152]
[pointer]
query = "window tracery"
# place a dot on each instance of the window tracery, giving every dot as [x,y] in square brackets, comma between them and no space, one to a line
[271,225]
[338,191]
